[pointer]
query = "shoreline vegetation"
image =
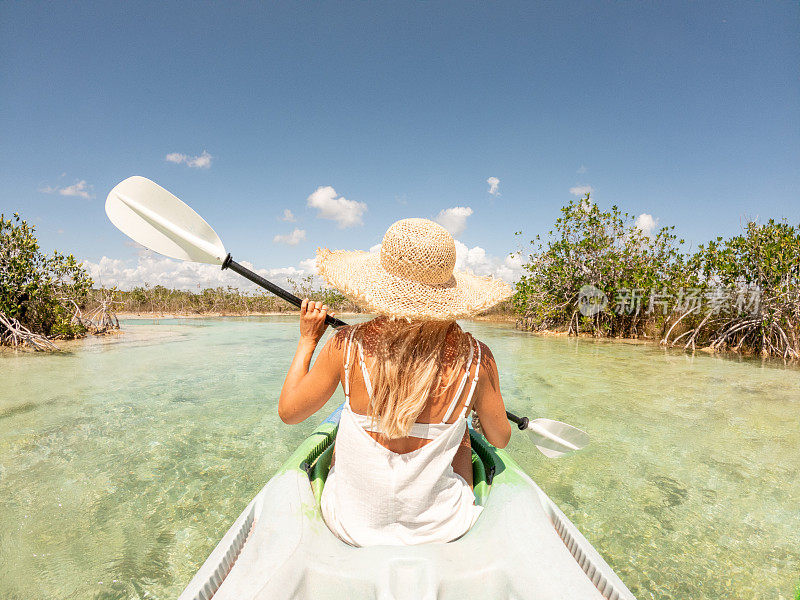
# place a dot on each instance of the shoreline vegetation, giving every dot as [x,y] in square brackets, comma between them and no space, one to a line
[143,316]
[606,275]
[596,274]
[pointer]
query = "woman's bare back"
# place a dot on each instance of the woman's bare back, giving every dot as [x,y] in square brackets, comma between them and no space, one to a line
[457,343]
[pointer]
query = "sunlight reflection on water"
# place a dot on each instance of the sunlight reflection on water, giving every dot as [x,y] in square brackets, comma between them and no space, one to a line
[122,464]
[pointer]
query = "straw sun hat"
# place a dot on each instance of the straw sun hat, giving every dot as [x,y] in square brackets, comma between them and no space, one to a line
[412,277]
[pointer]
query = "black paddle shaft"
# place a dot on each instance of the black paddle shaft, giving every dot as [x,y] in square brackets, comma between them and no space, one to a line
[521,422]
[231,264]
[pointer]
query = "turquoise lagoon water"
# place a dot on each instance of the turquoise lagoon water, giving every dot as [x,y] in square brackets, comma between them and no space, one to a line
[123,462]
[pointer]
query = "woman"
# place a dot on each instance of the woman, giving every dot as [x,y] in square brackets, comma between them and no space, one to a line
[402,472]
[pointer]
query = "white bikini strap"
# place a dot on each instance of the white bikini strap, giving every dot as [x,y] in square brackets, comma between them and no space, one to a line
[425,431]
[460,389]
[364,372]
[474,383]
[347,368]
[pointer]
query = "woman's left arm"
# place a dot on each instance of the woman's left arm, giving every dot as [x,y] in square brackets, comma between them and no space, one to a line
[304,392]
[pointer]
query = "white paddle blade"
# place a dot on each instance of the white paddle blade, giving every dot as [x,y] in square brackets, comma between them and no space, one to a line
[150,215]
[554,438]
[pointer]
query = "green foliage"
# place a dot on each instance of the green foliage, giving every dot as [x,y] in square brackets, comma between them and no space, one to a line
[605,249]
[224,301]
[34,287]
[304,288]
[765,256]
[160,299]
[63,326]
[764,259]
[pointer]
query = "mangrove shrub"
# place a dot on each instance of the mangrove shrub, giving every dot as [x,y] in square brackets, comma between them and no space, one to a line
[606,251]
[762,267]
[597,272]
[35,288]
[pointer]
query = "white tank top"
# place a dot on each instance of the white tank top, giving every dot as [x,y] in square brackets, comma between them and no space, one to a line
[374,496]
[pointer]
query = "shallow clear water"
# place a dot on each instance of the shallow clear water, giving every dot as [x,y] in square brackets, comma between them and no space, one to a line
[123,463]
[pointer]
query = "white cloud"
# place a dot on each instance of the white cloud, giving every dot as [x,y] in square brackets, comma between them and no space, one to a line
[175,157]
[581,170]
[346,213]
[475,260]
[454,219]
[157,270]
[581,190]
[309,265]
[79,189]
[288,216]
[493,183]
[292,239]
[646,223]
[202,161]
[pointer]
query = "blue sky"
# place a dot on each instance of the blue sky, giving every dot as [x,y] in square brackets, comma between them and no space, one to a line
[688,112]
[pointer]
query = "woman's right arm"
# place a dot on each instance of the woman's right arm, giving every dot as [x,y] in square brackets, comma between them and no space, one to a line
[305,391]
[489,402]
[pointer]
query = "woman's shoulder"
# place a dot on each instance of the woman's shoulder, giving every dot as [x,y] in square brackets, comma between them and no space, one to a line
[341,337]
[488,363]
[486,353]
[487,358]
[339,341]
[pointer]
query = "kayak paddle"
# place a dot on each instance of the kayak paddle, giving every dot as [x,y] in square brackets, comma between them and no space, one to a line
[162,222]
[552,438]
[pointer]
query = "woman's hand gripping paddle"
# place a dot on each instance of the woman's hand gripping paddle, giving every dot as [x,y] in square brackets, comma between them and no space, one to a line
[158,220]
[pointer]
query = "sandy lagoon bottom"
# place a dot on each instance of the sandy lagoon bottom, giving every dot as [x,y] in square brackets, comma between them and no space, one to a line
[124,461]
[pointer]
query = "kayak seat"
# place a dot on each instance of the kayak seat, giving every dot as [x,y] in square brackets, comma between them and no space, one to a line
[319,464]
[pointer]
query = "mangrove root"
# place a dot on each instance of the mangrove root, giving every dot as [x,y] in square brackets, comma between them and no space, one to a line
[15,334]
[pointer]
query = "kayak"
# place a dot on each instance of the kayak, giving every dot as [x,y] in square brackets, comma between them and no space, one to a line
[521,547]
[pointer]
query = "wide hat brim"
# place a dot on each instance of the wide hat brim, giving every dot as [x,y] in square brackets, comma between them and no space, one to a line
[360,277]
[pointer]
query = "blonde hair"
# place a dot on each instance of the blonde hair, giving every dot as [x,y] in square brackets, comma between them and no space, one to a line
[410,356]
